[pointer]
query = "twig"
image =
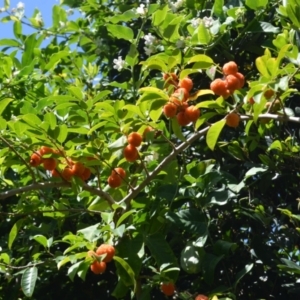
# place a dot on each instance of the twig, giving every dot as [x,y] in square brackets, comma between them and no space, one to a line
[20,157]
[21,267]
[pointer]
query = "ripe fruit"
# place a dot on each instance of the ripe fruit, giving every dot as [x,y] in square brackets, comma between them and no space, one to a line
[86,174]
[67,173]
[35,159]
[55,173]
[241,78]
[186,83]
[147,129]
[269,93]
[168,288]
[182,94]
[114,181]
[170,110]
[230,68]
[192,113]
[170,79]
[98,267]
[78,168]
[49,163]
[45,150]
[135,139]
[109,250]
[233,82]
[219,87]
[120,172]
[182,119]
[251,101]
[201,297]
[233,120]
[130,153]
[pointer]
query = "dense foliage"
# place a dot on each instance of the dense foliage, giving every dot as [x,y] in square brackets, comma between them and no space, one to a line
[168,130]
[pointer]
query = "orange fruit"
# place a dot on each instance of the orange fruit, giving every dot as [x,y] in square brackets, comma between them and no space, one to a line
[233,120]
[186,83]
[135,139]
[182,119]
[67,173]
[170,110]
[78,168]
[49,163]
[45,150]
[269,93]
[219,87]
[130,153]
[114,181]
[201,297]
[192,113]
[146,130]
[168,288]
[230,68]
[233,82]
[182,94]
[241,78]
[55,173]
[98,267]
[86,174]
[170,79]
[35,159]
[251,101]
[109,250]
[120,172]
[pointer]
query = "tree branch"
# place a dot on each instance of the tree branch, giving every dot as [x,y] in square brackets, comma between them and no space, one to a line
[45,185]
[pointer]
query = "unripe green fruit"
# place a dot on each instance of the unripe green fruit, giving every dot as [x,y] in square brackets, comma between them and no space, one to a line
[190,259]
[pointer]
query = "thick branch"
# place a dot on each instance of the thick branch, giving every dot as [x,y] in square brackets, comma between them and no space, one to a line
[177,150]
[45,185]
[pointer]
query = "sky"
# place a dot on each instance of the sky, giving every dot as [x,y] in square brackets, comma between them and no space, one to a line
[45,7]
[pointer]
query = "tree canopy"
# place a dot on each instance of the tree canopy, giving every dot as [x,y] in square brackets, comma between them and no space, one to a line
[151,149]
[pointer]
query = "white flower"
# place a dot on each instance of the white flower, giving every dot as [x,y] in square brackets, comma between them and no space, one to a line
[175,6]
[119,63]
[141,10]
[62,24]
[195,22]
[39,18]
[150,44]
[20,6]
[2,9]
[149,39]
[208,22]
[70,12]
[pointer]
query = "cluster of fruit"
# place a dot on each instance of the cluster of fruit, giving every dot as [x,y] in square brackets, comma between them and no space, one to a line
[98,265]
[168,288]
[116,177]
[130,152]
[232,81]
[51,164]
[178,102]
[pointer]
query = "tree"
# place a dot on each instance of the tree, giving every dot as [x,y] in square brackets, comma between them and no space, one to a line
[151,149]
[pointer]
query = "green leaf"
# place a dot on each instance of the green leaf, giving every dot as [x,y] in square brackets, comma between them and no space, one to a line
[14,231]
[254,171]
[177,130]
[128,270]
[203,34]
[9,42]
[213,133]
[209,264]
[203,61]
[17,29]
[51,119]
[29,46]
[218,8]
[3,104]
[41,240]
[257,4]
[160,15]
[28,281]
[120,32]
[242,273]
[162,252]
